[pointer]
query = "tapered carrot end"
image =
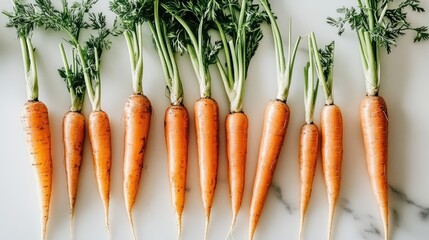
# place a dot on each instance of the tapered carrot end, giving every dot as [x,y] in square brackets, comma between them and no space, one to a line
[301,226]
[179,226]
[206,229]
[130,219]
[331,220]
[44,226]
[231,228]
[71,224]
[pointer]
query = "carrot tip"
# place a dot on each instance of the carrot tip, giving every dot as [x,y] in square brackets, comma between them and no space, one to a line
[206,229]
[179,226]
[130,218]
[231,228]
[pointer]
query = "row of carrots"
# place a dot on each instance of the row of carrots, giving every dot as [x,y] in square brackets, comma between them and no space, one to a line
[183,27]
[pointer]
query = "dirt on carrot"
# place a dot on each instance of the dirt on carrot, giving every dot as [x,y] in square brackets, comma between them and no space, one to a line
[276,120]
[35,122]
[176,128]
[100,139]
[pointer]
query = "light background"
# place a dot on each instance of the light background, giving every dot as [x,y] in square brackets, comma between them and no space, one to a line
[404,86]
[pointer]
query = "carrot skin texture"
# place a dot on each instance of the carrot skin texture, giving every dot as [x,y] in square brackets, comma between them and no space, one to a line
[206,114]
[374,123]
[73,140]
[137,116]
[35,122]
[308,151]
[237,125]
[331,125]
[100,139]
[276,121]
[176,128]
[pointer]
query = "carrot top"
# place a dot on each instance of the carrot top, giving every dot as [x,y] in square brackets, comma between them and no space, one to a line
[21,19]
[196,19]
[284,67]
[131,15]
[239,26]
[324,61]
[311,85]
[162,29]
[378,25]
[72,19]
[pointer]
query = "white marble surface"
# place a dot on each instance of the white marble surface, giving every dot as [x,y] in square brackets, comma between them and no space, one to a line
[404,86]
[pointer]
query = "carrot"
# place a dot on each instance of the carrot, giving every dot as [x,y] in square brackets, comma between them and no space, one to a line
[137,115]
[176,128]
[176,120]
[367,23]
[34,117]
[374,123]
[73,139]
[206,113]
[99,137]
[276,120]
[35,122]
[236,151]
[308,150]
[331,124]
[309,137]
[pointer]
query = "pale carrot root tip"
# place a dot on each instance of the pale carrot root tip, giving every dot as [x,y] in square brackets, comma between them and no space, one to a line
[179,226]
[130,219]
[231,228]
[206,227]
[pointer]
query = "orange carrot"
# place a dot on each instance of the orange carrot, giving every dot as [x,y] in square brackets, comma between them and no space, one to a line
[309,136]
[35,122]
[176,128]
[331,125]
[73,139]
[374,123]
[100,139]
[206,113]
[308,150]
[236,151]
[137,115]
[276,120]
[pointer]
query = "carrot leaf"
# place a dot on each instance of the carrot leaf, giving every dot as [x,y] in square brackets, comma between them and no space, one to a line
[21,18]
[378,24]
[284,67]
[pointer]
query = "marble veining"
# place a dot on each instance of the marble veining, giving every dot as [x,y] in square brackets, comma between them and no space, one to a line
[401,196]
[278,194]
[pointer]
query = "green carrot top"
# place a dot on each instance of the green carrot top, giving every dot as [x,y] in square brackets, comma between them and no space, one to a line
[72,19]
[162,29]
[195,19]
[239,26]
[378,25]
[131,17]
[311,84]
[21,18]
[284,67]
[324,64]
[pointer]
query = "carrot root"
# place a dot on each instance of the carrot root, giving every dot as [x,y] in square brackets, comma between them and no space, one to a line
[237,125]
[73,139]
[276,120]
[374,123]
[100,139]
[331,125]
[176,130]
[206,114]
[35,122]
[137,116]
[308,150]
